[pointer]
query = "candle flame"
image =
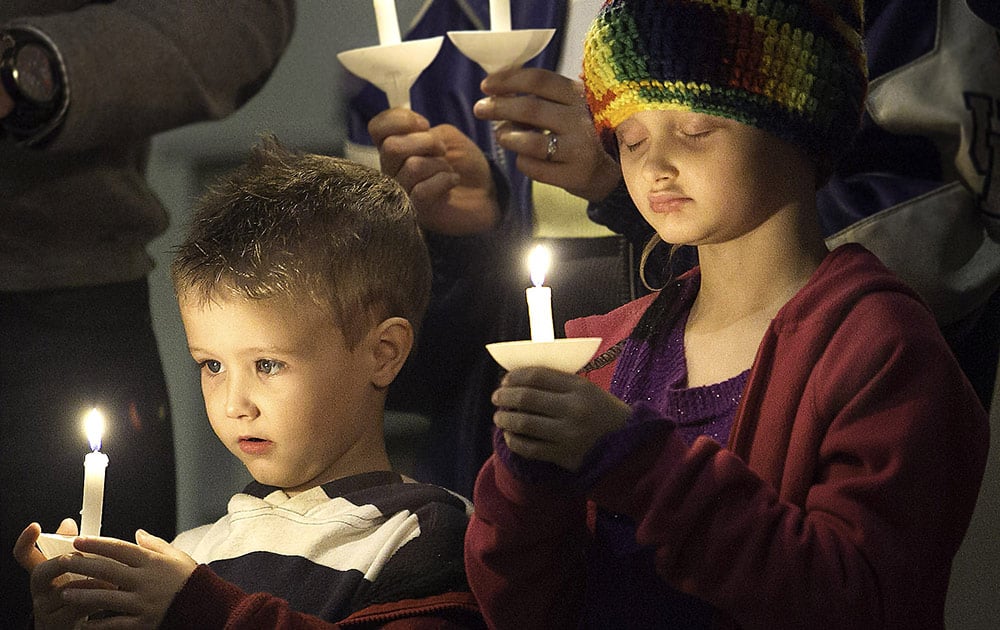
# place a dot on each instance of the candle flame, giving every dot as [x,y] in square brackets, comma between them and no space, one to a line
[93,423]
[538,262]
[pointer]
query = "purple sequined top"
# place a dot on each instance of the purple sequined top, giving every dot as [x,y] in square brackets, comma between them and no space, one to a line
[622,582]
[656,375]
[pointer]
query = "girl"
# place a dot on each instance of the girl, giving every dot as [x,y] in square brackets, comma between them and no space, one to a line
[787,440]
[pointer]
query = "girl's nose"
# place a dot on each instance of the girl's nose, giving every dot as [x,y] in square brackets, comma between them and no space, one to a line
[659,164]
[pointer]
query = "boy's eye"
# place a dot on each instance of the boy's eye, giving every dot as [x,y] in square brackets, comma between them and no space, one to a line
[268,366]
[211,365]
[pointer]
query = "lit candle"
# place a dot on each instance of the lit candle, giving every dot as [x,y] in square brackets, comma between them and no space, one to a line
[499,15]
[539,297]
[387,22]
[93,476]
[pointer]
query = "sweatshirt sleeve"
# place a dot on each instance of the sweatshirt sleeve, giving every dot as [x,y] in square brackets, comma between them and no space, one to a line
[207,602]
[137,68]
[525,551]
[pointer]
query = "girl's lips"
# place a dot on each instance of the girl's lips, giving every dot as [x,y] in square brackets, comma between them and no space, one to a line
[662,203]
[254,446]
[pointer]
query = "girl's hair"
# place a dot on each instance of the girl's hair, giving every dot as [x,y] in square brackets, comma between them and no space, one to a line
[667,271]
[337,234]
[651,244]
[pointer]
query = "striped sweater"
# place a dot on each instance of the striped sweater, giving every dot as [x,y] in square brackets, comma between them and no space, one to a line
[351,546]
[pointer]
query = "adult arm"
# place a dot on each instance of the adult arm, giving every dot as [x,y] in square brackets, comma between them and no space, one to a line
[134,69]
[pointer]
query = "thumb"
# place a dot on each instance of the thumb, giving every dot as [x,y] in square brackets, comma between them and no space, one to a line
[24,549]
[67,527]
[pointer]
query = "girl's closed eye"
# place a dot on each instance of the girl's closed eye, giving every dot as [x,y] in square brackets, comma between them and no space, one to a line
[630,136]
[696,133]
[268,367]
[699,129]
[701,126]
[631,147]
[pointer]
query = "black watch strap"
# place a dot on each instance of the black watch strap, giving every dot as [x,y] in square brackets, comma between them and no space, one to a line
[33,74]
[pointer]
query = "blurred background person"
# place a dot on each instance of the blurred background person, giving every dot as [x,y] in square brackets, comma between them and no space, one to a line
[84,88]
[478,195]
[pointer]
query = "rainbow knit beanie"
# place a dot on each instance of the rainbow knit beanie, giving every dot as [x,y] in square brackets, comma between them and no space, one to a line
[794,68]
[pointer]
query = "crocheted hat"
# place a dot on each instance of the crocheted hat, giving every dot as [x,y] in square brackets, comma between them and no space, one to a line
[795,68]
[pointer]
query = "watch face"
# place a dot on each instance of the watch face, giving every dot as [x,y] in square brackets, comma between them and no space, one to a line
[33,74]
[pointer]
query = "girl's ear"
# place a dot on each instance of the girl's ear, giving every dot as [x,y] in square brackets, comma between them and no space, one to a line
[391,344]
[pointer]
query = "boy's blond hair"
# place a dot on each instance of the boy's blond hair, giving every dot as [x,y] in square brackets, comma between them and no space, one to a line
[300,226]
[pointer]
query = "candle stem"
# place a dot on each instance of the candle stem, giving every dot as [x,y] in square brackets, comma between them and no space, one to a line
[540,313]
[500,15]
[94,465]
[386,22]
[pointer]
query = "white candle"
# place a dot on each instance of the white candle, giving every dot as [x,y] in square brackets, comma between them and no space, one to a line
[94,465]
[387,22]
[499,15]
[539,297]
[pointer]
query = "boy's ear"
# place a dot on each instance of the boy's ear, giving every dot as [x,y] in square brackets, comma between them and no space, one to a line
[392,341]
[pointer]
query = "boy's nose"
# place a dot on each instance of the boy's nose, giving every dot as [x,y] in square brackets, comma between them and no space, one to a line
[239,403]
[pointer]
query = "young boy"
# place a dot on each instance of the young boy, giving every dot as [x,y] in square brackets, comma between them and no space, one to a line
[298,287]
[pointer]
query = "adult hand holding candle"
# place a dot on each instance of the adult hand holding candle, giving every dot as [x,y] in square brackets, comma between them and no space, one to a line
[539,297]
[94,465]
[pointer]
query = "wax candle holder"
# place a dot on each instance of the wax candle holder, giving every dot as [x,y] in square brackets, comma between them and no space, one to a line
[565,355]
[53,545]
[393,68]
[501,50]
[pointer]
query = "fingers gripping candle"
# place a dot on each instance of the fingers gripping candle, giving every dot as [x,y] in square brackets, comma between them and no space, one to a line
[539,297]
[94,465]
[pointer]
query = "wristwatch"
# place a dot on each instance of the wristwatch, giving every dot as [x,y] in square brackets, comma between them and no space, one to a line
[31,73]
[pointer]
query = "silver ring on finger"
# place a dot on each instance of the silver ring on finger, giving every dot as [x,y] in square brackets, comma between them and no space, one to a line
[551,147]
